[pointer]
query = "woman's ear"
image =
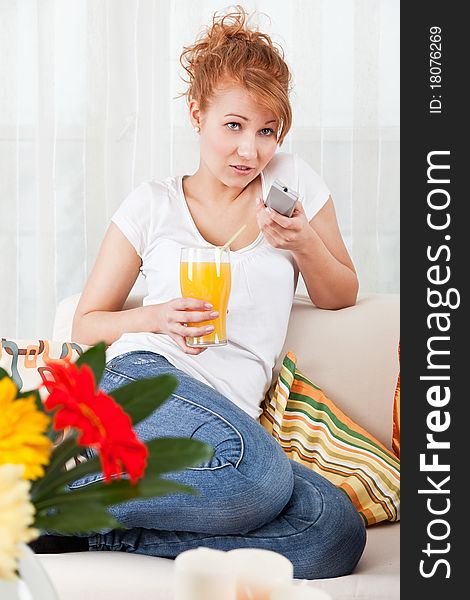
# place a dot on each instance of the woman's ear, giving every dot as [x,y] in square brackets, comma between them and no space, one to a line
[194,113]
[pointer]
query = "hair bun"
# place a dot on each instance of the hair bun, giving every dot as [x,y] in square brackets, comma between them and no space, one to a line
[229,49]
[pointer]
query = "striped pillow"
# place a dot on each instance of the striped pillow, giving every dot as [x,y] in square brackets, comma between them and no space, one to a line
[314,432]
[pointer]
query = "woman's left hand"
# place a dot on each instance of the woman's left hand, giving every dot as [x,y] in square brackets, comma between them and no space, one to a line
[286,233]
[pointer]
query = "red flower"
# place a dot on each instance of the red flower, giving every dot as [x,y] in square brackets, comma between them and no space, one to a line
[102,422]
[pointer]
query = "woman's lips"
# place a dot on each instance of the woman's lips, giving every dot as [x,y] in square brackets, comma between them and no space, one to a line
[240,170]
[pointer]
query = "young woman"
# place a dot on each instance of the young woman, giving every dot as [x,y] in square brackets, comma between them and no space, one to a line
[251,494]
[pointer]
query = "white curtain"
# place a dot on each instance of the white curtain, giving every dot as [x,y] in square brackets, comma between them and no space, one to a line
[87,112]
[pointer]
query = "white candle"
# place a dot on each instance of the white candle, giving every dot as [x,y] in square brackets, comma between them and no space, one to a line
[258,572]
[204,574]
[299,591]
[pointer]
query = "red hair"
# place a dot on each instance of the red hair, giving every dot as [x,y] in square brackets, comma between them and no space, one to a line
[230,50]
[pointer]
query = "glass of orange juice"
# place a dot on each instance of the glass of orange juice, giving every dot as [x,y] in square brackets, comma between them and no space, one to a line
[205,274]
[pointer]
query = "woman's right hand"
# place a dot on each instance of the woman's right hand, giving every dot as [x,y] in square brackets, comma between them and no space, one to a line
[171,318]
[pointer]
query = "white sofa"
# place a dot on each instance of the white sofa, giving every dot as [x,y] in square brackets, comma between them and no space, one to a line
[352,355]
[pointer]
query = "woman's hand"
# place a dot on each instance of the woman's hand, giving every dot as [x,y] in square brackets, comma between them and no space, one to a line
[286,233]
[171,318]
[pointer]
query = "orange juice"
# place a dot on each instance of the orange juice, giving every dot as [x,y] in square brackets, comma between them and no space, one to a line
[207,280]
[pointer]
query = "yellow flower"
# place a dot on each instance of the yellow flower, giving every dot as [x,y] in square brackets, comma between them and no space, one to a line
[22,431]
[16,515]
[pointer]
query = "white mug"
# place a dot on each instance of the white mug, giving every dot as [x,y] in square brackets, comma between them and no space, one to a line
[203,574]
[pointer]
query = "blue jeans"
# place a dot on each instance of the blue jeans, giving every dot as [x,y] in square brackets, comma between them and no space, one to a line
[251,494]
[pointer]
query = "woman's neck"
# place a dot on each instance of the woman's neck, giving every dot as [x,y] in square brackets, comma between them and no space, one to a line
[204,188]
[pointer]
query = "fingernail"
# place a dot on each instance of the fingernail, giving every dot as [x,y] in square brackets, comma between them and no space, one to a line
[209,329]
[214,315]
[207,305]
[268,210]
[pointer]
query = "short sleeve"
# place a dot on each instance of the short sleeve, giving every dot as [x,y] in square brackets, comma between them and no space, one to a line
[312,189]
[134,216]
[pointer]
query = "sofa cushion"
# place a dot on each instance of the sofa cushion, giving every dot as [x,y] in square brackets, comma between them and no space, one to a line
[314,432]
[25,360]
[98,575]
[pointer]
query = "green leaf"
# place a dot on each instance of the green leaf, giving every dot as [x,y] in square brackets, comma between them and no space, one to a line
[4,373]
[66,450]
[140,398]
[174,454]
[115,492]
[59,457]
[37,398]
[64,478]
[165,455]
[90,517]
[95,358]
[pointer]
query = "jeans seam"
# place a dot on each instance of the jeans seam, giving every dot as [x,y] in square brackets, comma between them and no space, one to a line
[209,468]
[119,374]
[242,452]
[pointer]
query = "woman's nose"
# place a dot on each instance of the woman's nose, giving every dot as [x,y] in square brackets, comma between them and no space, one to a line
[247,149]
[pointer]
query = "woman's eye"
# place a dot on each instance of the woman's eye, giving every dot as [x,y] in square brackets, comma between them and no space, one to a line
[265,132]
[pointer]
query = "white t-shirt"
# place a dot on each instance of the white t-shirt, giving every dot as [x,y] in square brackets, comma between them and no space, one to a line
[156,220]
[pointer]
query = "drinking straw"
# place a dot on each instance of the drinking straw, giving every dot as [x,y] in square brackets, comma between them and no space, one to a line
[232,239]
[248,592]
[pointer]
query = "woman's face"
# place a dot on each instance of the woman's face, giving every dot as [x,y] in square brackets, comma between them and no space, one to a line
[236,132]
